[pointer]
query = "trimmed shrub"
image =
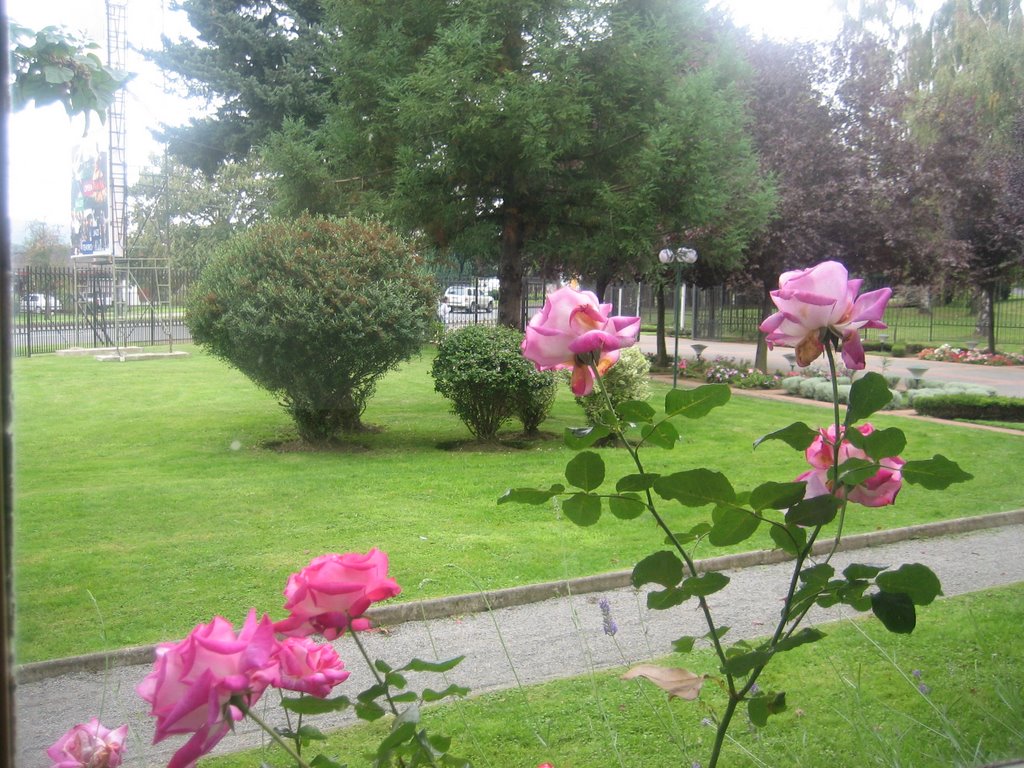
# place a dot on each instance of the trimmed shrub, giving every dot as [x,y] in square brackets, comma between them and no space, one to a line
[791,384]
[975,407]
[628,379]
[315,310]
[482,371]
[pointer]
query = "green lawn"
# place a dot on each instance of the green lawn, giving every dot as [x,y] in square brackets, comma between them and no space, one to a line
[852,701]
[147,499]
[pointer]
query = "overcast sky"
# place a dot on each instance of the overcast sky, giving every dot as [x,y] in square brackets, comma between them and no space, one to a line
[41,139]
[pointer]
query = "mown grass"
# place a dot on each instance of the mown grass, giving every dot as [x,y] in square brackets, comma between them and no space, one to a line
[853,700]
[148,500]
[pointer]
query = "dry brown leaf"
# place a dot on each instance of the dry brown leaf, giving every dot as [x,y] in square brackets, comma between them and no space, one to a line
[680,683]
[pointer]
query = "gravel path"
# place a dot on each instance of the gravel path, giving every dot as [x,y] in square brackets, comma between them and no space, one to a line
[544,640]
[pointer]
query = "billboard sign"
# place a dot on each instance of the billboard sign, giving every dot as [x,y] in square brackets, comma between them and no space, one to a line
[90,198]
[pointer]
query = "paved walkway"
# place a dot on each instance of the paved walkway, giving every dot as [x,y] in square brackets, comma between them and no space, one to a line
[1005,380]
[547,639]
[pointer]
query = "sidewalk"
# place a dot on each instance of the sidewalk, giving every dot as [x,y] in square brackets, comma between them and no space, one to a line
[547,639]
[1005,380]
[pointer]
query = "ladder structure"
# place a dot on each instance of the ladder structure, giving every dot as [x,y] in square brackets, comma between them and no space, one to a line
[141,282]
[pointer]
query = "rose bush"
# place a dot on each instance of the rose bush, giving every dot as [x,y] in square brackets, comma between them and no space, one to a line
[819,312]
[203,684]
[89,745]
[820,303]
[575,331]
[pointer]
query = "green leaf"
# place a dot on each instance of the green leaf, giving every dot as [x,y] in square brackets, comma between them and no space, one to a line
[311,705]
[636,411]
[760,707]
[661,600]
[789,538]
[817,575]
[683,644]
[855,471]
[744,663]
[804,636]
[308,733]
[719,633]
[578,439]
[400,734]
[858,571]
[627,506]
[585,470]
[817,510]
[895,611]
[530,495]
[419,665]
[430,695]
[869,394]
[636,482]
[880,444]
[695,403]
[706,584]
[695,488]
[731,525]
[663,434]
[935,473]
[663,568]
[584,509]
[916,581]
[776,495]
[797,435]
[322,761]
[404,698]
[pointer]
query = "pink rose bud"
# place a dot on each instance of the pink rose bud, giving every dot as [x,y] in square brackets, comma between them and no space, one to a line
[193,682]
[89,745]
[822,300]
[332,593]
[574,330]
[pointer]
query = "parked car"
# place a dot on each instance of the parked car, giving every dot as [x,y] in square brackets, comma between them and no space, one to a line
[37,303]
[468,298]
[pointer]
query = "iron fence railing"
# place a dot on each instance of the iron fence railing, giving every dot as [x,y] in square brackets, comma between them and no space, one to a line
[58,308]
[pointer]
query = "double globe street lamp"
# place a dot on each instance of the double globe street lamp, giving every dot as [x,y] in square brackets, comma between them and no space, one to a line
[679,256]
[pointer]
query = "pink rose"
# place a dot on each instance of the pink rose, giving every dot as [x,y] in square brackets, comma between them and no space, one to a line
[877,491]
[822,300]
[574,331]
[193,681]
[333,592]
[89,745]
[303,665]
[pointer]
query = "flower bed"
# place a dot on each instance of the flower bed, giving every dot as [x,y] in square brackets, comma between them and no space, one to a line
[950,354]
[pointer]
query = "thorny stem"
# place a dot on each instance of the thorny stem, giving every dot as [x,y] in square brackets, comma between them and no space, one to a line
[243,706]
[690,565]
[378,678]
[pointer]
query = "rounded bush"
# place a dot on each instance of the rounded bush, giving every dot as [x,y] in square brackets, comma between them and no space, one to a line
[315,310]
[482,371]
[791,385]
[628,379]
[808,385]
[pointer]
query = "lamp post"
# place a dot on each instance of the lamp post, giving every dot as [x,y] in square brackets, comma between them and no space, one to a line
[679,256]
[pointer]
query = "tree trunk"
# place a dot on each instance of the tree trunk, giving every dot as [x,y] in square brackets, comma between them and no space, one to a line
[510,269]
[662,360]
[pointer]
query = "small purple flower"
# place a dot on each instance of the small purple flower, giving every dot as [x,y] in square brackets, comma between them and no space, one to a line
[755,689]
[924,689]
[917,673]
[610,627]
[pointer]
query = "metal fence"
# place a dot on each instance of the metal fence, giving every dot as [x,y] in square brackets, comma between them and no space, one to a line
[58,308]
[63,307]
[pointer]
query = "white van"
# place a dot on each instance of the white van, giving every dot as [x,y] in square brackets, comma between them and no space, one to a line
[469,298]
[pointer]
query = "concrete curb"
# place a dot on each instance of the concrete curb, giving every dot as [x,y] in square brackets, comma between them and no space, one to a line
[457,605]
